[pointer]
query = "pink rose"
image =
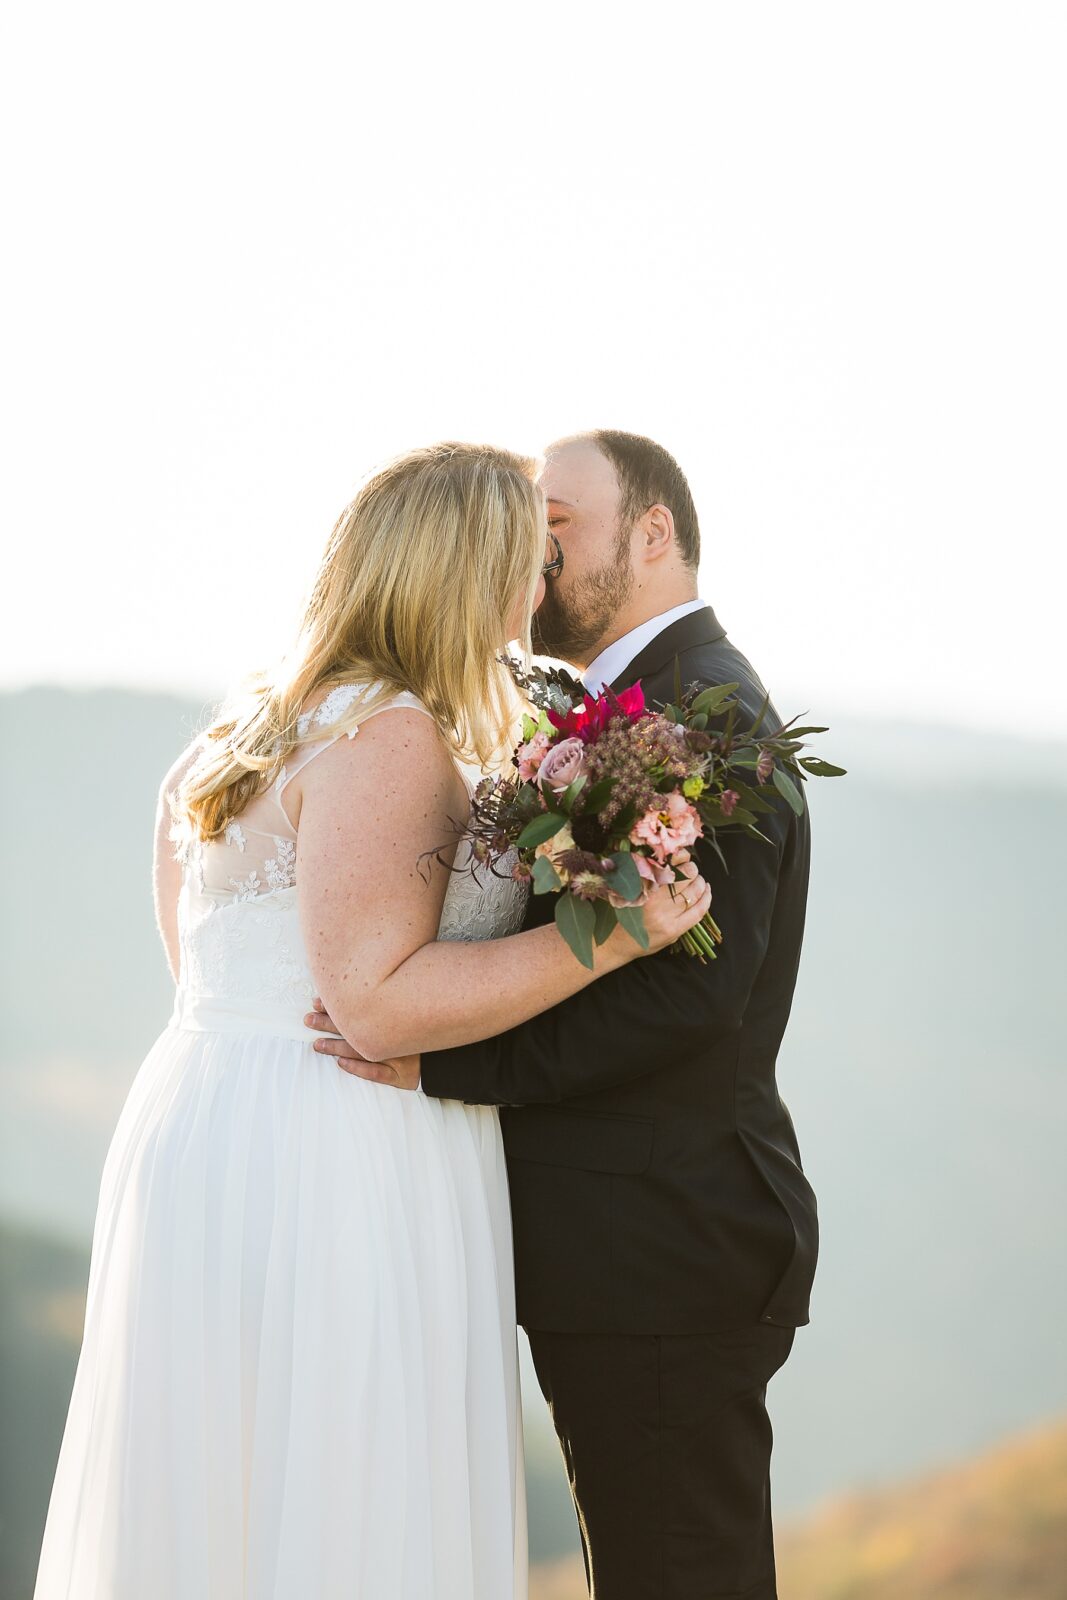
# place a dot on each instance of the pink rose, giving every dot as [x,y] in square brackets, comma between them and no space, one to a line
[531,756]
[675,825]
[563,763]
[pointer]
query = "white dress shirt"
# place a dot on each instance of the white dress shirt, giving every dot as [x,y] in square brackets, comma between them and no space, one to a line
[613,661]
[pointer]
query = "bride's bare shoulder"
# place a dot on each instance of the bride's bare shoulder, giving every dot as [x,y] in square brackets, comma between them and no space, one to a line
[399,750]
[176,772]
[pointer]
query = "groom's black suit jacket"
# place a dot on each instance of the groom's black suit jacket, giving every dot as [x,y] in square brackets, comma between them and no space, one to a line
[656,1184]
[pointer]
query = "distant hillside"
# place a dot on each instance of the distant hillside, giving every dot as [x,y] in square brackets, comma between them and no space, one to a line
[42,1305]
[993,1529]
[923,1066]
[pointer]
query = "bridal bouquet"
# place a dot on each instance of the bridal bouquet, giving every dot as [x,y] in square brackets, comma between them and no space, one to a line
[606,791]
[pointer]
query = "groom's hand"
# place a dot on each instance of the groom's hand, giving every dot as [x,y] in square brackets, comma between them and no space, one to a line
[404,1073]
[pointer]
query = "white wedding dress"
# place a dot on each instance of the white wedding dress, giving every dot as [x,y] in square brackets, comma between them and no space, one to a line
[299,1377]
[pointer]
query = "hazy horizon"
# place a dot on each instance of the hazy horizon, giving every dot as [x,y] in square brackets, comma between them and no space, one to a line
[812,252]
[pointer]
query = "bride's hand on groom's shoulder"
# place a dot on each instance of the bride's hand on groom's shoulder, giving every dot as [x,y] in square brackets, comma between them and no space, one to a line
[403,1073]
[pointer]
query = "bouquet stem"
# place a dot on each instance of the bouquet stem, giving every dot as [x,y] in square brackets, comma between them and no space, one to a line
[701,940]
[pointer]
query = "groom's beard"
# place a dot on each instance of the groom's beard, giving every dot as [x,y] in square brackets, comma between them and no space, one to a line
[572,628]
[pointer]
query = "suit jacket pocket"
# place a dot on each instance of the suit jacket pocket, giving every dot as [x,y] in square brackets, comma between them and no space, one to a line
[589,1140]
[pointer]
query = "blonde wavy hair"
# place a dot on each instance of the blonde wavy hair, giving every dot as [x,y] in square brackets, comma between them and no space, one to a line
[416,590]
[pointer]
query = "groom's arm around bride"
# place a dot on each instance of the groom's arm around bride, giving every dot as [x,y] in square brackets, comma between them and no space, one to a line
[655,1175]
[665,1234]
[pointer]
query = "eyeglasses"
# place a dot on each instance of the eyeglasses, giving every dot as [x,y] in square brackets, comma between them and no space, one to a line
[553,568]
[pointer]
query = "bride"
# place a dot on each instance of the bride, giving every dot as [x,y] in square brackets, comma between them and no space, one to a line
[298,1376]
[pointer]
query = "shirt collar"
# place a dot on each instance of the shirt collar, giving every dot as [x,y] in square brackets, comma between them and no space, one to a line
[612,662]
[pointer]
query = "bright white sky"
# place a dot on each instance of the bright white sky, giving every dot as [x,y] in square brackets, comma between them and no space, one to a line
[818,250]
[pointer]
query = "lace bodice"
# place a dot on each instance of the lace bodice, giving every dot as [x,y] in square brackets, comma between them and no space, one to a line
[239,929]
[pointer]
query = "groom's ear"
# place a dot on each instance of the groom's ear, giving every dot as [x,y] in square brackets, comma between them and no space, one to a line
[656,530]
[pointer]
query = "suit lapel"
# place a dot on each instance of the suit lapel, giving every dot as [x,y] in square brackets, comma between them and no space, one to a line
[699,627]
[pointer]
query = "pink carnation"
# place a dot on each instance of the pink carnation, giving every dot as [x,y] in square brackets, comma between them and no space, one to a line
[674,825]
[531,755]
[652,870]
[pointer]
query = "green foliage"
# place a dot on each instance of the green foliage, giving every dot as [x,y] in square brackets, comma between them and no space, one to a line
[785,786]
[576,921]
[606,920]
[713,699]
[821,769]
[541,828]
[571,793]
[632,918]
[545,877]
[626,881]
[598,796]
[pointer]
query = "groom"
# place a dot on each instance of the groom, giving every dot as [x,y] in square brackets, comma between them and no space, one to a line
[665,1234]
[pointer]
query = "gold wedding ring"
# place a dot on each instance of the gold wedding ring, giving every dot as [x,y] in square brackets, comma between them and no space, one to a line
[685,901]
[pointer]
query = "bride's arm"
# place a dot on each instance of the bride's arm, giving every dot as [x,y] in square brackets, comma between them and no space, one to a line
[166,870]
[369,808]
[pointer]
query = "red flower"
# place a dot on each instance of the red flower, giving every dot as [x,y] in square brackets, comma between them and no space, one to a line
[728,801]
[588,721]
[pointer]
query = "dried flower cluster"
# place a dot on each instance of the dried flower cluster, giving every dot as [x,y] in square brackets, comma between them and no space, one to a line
[607,796]
[639,756]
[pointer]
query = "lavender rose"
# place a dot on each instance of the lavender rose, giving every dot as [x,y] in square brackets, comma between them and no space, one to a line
[563,763]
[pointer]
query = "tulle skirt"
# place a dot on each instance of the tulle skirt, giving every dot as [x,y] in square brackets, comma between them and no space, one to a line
[298,1379]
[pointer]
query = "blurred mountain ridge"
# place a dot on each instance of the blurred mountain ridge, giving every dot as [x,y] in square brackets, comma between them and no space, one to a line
[923,1067]
[994,1528]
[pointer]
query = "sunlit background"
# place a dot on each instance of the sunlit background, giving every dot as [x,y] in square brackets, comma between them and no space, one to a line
[819,252]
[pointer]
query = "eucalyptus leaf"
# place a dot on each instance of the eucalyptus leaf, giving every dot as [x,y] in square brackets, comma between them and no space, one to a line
[545,876]
[550,797]
[785,786]
[572,791]
[821,769]
[576,920]
[598,796]
[713,699]
[606,920]
[632,918]
[540,829]
[621,824]
[626,881]
[752,800]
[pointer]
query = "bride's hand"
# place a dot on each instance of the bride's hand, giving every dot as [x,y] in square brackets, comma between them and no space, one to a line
[673,909]
[404,1073]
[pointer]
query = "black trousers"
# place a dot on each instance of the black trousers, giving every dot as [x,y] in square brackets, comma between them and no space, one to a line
[668,1446]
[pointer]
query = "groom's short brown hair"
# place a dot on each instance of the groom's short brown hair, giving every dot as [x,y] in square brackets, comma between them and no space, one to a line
[649,475]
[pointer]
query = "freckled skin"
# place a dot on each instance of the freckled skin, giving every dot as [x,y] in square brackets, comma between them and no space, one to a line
[390,988]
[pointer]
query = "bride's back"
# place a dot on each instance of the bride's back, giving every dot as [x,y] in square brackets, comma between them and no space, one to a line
[242,952]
